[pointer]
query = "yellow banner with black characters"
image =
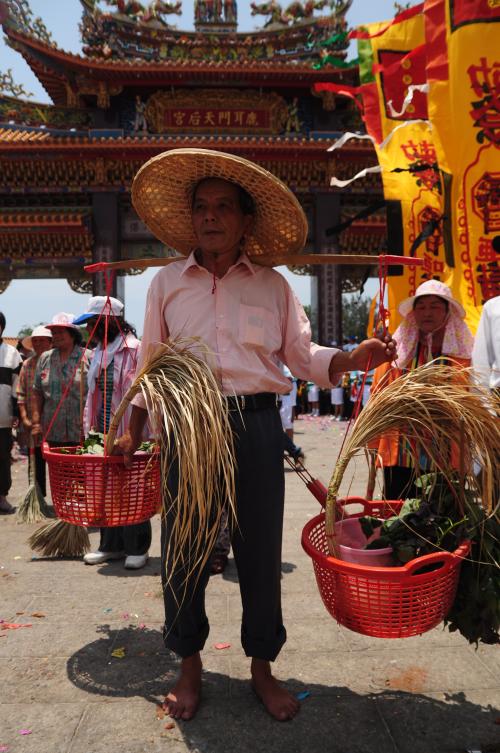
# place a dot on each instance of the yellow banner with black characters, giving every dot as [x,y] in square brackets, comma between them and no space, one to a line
[463,72]
[393,87]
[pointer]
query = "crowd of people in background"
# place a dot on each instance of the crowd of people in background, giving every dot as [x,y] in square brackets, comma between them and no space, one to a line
[55,386]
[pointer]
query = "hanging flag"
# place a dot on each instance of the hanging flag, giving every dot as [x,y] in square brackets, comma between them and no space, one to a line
[394,94]
[463,73]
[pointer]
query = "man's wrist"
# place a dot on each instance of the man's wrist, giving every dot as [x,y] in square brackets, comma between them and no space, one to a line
[341,361]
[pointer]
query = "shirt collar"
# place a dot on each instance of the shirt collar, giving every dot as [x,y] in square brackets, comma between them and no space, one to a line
[242,259]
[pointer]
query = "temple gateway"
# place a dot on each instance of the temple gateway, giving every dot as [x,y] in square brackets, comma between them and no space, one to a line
[142,86]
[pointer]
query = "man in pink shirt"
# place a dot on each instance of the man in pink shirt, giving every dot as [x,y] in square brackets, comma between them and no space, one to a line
[219,210]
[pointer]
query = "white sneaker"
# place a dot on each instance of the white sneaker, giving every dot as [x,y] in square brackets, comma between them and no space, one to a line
[96,558]
[136,561]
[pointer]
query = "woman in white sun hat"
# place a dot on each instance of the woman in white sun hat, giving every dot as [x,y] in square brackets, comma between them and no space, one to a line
[433,328]
[62,368]
[111,373]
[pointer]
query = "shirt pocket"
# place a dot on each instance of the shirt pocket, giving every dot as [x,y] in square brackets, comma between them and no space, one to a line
[259,328]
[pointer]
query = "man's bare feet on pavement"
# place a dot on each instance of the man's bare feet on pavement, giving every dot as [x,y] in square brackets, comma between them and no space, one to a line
[276,699]
[182,701]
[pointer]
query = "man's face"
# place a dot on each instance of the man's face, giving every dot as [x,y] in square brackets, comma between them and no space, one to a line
[218,221]
[430,313]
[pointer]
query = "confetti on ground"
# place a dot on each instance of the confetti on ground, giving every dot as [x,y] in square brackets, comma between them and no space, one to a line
[25,732]
[160,712]
[304,694]
[4,748]
[19,613]
[118,653]
[38,614]
[34,557]
[221,646]
[170,725]
[15,625]
[142,625]
[125,615]
[18,557]
[107,610]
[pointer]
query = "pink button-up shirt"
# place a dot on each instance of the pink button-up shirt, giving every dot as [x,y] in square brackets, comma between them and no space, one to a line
[250,320]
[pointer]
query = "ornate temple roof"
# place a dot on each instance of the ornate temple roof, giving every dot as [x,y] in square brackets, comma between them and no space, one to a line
[121,49]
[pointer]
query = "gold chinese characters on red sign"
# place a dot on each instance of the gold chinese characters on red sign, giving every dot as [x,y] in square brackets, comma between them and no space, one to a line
[217,110]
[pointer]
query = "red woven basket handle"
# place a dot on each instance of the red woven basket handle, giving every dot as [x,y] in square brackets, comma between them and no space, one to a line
[447,560]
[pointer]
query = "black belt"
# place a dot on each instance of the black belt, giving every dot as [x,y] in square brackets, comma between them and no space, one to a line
[259,401]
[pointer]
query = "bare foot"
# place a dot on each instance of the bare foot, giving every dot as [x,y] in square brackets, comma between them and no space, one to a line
[182,701]
[276,699]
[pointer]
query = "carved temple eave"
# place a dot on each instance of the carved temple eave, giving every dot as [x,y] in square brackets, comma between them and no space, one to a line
[239,58]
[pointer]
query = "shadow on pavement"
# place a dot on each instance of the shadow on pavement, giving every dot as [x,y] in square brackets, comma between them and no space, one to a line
[116,568]
[332,719]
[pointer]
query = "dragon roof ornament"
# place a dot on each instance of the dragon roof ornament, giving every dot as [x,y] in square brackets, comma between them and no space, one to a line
[8,86]
[293,34]
[18,15]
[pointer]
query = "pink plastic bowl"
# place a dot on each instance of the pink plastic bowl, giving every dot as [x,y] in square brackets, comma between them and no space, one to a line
[352,540]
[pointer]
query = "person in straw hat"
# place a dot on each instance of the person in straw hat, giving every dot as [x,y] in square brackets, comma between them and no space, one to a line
[220,210]
[433,327]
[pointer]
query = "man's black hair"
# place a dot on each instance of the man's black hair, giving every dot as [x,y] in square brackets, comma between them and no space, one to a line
[246,200]
[115,329]
[2,322]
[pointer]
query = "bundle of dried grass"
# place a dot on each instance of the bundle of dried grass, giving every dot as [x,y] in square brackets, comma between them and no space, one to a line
[33,508]
[190,417]
[60,539]
[435,408]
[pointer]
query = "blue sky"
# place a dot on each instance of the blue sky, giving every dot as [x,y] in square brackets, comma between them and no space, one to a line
[32,301]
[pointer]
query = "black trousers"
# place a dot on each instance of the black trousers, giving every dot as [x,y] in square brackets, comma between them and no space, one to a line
[399,482]
[5,448]
[134,539]
[256,542]
[40,471]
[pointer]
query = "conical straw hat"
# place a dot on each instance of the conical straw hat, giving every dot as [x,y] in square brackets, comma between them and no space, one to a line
[162,194]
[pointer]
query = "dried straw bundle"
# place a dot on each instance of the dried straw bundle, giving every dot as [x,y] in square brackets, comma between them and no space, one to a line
[60,539]
[33,508]
[190,417]
[434,407]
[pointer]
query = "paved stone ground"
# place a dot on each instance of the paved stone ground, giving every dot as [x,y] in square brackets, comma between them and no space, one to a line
[60,680]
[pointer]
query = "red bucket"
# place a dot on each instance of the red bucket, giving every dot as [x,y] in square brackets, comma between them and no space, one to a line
[97,490]
[385,602]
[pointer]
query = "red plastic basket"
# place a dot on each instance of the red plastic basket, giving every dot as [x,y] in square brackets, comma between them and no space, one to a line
[385,602]
[97,490]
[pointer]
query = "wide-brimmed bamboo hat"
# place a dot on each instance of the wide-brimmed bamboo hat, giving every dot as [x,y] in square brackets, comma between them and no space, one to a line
[162,195]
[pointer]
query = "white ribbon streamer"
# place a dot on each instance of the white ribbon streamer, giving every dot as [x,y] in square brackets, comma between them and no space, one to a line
[342,183]
[424,88]
[347,137]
